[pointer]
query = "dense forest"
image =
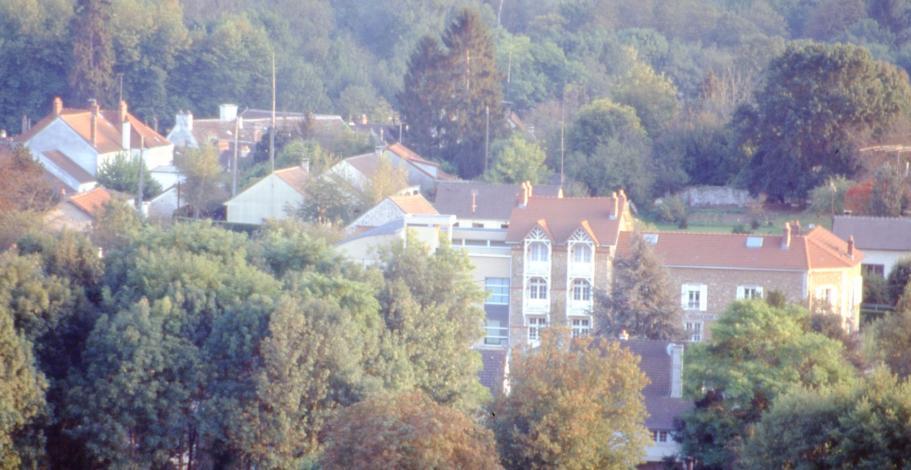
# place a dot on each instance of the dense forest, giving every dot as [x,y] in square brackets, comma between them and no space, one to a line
[684,84]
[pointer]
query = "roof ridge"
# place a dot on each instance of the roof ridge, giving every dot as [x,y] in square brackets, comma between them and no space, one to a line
[892,217]
[727,234]
[825,247]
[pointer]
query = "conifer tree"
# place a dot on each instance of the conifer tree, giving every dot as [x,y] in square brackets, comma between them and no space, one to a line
[420,100]
[91,75]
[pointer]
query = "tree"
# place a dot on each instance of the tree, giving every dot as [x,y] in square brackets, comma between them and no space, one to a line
[202,187]
[517,160]
[122,174]
[898,279]
[594,384]
[332,200]
[829,197]
[408,430]
[431,307]
[892,337]
[652,95]
[889,191]
[92,72]
[640,300]
[449,95]
[30,190]
[388,180]
[859,426]
[22,389]
[816,102]
[756,353]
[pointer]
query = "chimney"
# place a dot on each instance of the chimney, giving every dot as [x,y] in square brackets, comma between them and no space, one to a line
[24,124]
[125,129]
[624,336]
[851,246]
[786,239]
[524,197]
[474,201]
[227,112]
[616,202]
[363,119]
[796,227]
[560,193]
[93,105]
[676,353]
[58,106]
[530,189]
[305,165]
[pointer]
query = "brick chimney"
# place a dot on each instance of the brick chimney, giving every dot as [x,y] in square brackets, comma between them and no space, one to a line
[851,246]
[58,106]
[786,239]
[796,227]
[530,189]
[125,129]
[93,106]
[523,196]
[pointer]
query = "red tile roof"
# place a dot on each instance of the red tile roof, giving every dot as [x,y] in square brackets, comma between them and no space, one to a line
[415,204]
[816,249]
[295,176]
[408,154]
[561,217]
[107,133]
[92,201]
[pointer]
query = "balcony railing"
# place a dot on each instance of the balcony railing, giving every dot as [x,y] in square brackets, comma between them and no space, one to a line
[496,336]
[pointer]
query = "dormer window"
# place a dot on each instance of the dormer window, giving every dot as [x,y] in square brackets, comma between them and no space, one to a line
[582,253]
[538,252]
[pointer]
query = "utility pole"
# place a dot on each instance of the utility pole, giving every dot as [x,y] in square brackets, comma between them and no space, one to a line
[499,12]
[120,76]
[140,186]
[486,137]
[234,159]
[272,130]
[562,140]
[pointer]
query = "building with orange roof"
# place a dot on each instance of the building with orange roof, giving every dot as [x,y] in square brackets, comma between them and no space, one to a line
[74,143]
[360,170]
[79,211]
[276,196]
[391,208]
[814,268]
[562,251]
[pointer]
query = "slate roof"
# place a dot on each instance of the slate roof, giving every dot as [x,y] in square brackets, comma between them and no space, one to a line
[561,217]
[875,233]
[816,249]
[491,200]
[68,165]
[655,362]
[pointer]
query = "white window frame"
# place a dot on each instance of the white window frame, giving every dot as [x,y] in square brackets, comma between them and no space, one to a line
[538,289]
[695,330]
[493,287]
[754,291]
[538,252]
[495,333]
[581,290]
[582,253]
[687,292]
[827,295]
[580,326]
[535,324]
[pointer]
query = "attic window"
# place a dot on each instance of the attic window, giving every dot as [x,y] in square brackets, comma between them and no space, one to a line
[650,238]
[754,242]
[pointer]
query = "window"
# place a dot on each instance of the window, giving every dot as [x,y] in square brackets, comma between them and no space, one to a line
[659,436]
[497,290]
[537,288]
[694,297]
[749,292]
[582,253]
[496,334]
[581,327]
[477,225]
[694,331]
[754,242]
[873,270]
[535,325]
[582,290]
[826,296]
[537,252]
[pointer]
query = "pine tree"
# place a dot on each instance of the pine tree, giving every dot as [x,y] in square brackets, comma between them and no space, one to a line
[91,75]
[641,301]
[448,95]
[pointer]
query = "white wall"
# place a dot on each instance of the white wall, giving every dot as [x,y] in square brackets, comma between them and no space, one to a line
[270,198]
[58,135]
[885,258]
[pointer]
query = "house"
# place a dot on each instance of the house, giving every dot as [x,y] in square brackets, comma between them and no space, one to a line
[361,170]
[662,363]
[390,209]
[482,205]
[814,268]
[884,240]
[363,248]
[562,249]
[277,196]
[74,143]
[79,211]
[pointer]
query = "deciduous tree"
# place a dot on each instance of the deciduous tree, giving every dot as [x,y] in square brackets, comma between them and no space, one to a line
[573,403]
[516,160]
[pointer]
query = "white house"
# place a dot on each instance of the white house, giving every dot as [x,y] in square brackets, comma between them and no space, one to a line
[276,196]
[360,170]
[389,209]
[73,144]
[884,240]
[429,229]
